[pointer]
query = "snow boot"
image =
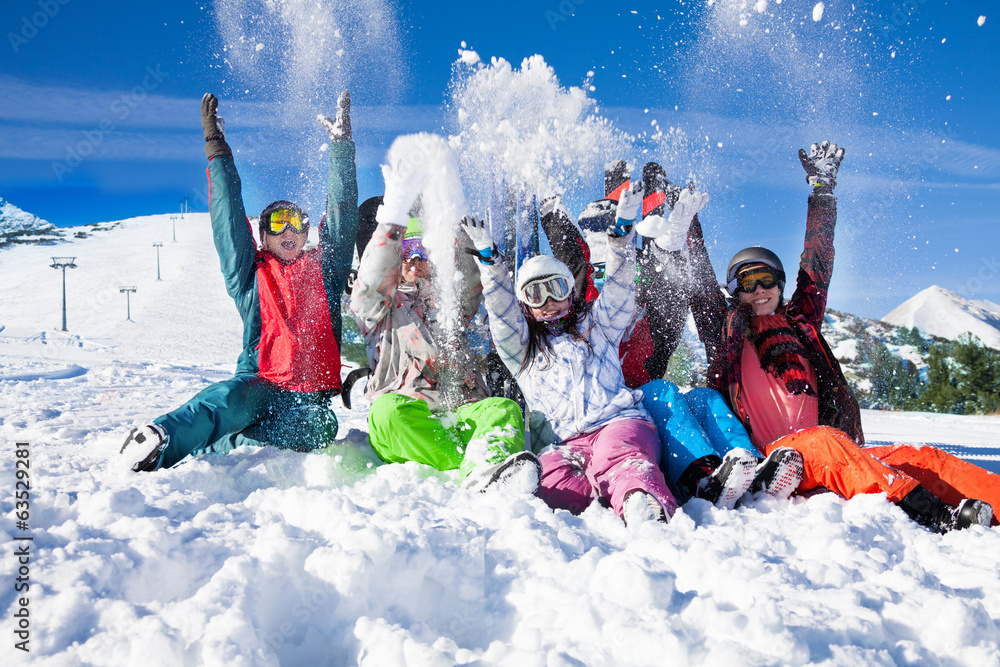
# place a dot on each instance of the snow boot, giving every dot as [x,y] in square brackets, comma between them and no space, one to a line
[730,480]
[779,474]
[144,445]
[931,512]
[518,473]
[640,506]
[973,513]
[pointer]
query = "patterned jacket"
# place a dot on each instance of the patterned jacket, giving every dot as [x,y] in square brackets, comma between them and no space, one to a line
[581,388]
[722,326]
[398,322]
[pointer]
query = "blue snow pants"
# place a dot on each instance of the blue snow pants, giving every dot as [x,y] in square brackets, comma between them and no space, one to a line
[247,410]
[691,425]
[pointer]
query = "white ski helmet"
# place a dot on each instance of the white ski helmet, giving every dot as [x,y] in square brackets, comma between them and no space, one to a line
[538,267]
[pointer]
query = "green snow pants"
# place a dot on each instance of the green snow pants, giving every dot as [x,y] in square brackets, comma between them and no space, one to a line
[401,428]
[247,410]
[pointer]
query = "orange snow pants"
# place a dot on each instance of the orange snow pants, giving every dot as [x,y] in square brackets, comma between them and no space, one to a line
[833,460]
[946,476]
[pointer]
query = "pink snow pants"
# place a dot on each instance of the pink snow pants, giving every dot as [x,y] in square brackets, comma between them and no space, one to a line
[607,463]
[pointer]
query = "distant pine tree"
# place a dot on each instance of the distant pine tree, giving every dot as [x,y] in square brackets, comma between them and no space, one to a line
[963,377]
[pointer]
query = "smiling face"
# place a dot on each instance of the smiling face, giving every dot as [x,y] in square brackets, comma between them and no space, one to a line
[763,301]
[550,311]
[415,268]
[286,246]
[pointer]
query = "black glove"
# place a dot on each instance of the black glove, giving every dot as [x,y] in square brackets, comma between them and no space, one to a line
[821,165]
[214,128]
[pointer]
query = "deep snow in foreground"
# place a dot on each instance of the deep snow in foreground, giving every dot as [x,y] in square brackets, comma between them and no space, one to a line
[267,557]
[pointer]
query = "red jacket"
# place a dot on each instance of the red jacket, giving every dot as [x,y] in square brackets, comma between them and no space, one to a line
[298,350]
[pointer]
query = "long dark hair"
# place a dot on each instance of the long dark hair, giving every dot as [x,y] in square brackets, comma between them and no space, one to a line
[540,333]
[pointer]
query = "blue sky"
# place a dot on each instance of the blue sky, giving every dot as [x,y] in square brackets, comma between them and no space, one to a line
[99,110]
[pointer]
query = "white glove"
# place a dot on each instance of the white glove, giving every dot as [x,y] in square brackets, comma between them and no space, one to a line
[670,234]
[479,232]
[630,201]
[404,181]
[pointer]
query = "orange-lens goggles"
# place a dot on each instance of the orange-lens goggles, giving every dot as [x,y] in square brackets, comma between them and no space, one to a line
[281,218]
[764,276]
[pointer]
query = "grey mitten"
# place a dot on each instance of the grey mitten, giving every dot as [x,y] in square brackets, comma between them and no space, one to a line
[821,165]
[339,129]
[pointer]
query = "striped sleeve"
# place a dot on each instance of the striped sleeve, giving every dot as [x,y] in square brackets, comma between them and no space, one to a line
[507,325]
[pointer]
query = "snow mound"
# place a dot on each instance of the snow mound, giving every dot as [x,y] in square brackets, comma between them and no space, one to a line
[267,557]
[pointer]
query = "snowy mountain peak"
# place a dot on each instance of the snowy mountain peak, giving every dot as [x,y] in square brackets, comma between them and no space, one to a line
[16,221]
[943,313]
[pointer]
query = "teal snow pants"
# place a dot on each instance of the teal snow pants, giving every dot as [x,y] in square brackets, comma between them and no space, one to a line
[247,410]
[691,426]
[401,428]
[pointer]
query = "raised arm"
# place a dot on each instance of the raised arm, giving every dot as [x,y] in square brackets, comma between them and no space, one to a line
[507,325]
[614,308]
[339,229]
[692,271]
[378,277]
[231,230]
[816,264]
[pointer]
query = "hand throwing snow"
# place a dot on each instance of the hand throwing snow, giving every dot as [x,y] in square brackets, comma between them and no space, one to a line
[212,124]
[821,165]
[405,178]
[479,232]
[339,129]
[670,234]
[628,206]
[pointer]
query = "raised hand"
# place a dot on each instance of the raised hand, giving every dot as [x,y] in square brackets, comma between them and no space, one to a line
[628,205]
[212,124]
[630,201]
[688,204]
[479,232]
[821,165]
[339,129]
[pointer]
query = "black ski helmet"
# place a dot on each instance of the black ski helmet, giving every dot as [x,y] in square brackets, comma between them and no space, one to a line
[753,255]
[274,206]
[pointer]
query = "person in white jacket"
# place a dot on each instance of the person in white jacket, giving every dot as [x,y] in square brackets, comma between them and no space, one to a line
[563,352]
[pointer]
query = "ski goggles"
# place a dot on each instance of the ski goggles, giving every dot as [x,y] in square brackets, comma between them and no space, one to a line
[278,220]
[537,292]
[414,247]
[747,281]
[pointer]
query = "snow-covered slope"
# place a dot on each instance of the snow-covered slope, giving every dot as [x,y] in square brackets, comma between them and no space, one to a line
[264,557]
[940,312]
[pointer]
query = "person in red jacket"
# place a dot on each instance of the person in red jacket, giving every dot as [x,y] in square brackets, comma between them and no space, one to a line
[289,299]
